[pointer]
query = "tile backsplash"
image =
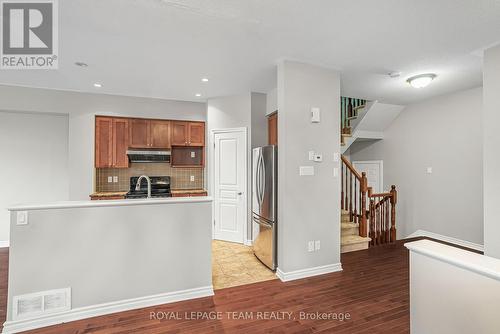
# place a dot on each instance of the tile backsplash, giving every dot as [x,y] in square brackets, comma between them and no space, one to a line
[180,178]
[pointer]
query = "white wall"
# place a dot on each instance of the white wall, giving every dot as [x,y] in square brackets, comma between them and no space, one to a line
[491,142]
[272,101]
[308,206]
[259,120]
[443,133]
[82,107]
[34,155]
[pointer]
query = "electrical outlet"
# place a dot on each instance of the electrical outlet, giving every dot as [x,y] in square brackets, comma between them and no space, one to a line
[193,154]
[115,179]
[317,245]
[310,246]
[191,178]
[110,179]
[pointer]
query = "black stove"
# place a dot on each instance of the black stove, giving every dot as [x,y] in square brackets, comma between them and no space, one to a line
[160,187]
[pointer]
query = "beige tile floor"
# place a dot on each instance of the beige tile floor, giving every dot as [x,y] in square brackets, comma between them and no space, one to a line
[234,264]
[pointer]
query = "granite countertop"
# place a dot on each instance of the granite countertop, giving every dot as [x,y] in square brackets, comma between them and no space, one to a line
[188,191]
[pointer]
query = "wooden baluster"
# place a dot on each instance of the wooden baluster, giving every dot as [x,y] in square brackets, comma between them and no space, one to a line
[371,233]
[342,185]
[355,200]
[345,199]
[350,196]
[387,222]
[363,191]
[382,233]
[394,200]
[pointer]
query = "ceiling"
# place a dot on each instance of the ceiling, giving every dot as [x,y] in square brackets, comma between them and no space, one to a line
[162,48]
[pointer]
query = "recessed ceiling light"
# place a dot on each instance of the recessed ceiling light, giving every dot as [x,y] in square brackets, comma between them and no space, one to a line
[422,80]
[198,95]
[204,79]
[97,85]
[81,64]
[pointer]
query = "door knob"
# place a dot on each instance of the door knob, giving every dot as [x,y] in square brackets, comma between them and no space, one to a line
[240,193]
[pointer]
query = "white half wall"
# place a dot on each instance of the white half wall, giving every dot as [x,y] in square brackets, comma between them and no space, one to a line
[491,151]
[34,168]
[445,134]
[308,206]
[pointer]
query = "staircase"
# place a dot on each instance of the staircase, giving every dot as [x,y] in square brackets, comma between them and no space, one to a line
[351,241]
[367,219]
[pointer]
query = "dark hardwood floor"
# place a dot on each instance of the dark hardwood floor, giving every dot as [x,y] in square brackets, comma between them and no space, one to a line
[373,288]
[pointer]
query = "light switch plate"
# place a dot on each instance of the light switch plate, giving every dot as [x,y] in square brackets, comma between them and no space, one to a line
[318,157]
[336,157]
[335,172]
[429,170]
[315,115]
[22,218]
[306,170]
[311,155]
[317,245]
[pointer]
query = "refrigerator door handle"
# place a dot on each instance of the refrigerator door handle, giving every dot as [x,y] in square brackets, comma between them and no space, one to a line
[261,179]
[257,179]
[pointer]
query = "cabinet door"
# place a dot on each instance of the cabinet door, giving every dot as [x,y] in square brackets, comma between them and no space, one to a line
[103,142]
[180,131]
[272,125]
[160,134]
[120,142]
[196,134]
[139,133]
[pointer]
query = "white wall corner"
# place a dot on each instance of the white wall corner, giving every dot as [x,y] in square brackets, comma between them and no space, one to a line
[309,272]
[451,240]
[4,243]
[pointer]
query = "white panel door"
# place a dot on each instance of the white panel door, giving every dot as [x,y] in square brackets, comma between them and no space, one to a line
[374,173]
[230,167]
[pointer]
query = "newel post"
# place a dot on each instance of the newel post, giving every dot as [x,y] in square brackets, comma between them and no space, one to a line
[364,189]
[394,200]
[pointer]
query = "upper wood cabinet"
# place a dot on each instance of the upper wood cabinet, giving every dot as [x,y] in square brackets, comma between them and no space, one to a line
[145,133]
[272,127]
[139,133]
[159,134]
[111,142]
[120,142]
[188,133]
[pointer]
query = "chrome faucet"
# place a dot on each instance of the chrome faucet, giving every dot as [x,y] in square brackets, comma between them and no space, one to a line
[138,185]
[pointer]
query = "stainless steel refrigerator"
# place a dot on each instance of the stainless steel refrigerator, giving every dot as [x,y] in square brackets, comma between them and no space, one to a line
[264,204]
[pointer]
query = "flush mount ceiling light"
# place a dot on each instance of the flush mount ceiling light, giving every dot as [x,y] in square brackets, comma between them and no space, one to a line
[81,64]
[204,79]
[97,85]
[422,80]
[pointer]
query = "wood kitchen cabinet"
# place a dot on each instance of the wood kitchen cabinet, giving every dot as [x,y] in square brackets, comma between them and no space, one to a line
[111,142]
[188,133]
[272,127]
[187,156]
[145,133]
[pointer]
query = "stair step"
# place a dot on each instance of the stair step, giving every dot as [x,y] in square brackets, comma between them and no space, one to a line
[351,243]
[351,118]
[349,229]
[346,135]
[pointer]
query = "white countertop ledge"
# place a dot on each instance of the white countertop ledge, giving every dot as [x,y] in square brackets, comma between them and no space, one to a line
[480,264]
[110,203]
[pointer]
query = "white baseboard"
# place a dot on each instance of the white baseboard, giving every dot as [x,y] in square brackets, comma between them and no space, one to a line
[303,273]
[248,243]
[106,308]
[451,240]
[4,243]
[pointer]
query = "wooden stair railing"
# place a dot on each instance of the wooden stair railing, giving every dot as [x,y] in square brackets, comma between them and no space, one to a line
[382,216]
[353,195]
